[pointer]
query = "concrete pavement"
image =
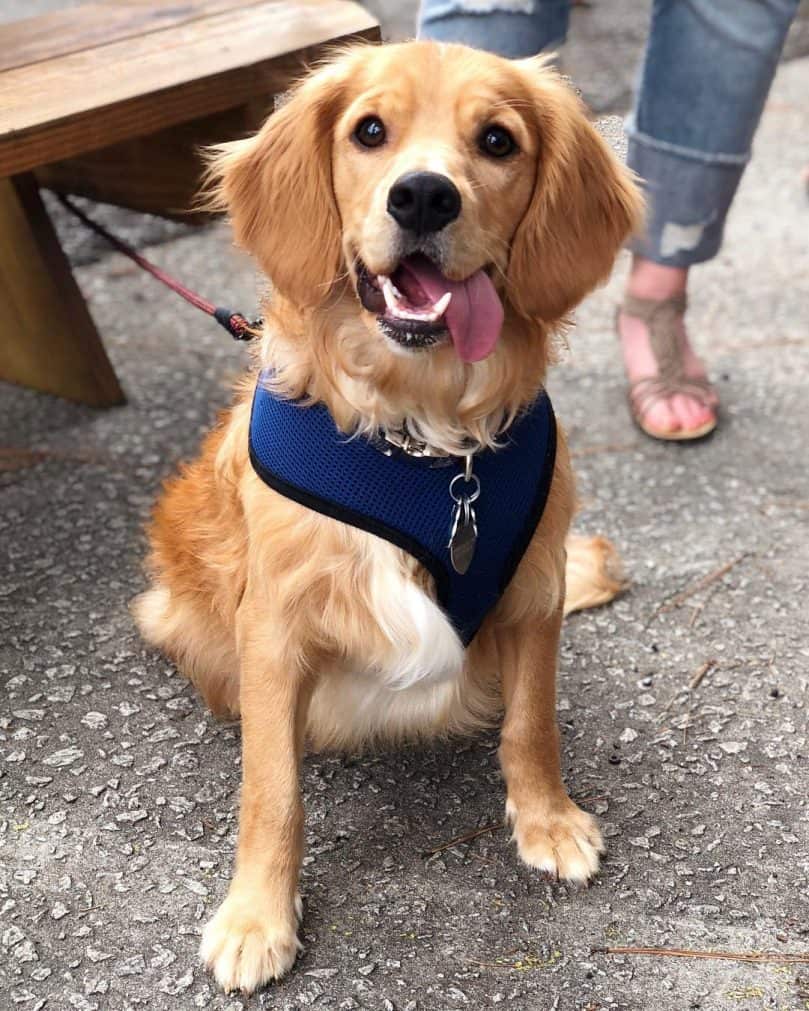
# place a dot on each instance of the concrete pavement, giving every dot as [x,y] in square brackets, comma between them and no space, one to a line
[118,792]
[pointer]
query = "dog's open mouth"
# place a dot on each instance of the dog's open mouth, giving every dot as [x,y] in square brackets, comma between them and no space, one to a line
[418,307]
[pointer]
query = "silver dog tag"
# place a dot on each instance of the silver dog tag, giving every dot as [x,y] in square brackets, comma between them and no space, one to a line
[463,536]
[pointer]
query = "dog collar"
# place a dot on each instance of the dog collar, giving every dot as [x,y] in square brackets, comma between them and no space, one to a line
[392,441]
[490,512]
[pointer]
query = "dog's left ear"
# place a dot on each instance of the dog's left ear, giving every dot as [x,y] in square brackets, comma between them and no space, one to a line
[277,188]
[584,206]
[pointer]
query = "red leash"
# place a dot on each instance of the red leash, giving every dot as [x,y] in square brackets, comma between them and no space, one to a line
[238,326]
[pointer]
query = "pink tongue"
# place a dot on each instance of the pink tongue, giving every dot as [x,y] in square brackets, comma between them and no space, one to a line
[475,314]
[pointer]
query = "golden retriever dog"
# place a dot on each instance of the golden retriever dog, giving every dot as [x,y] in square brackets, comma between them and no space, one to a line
[427,215]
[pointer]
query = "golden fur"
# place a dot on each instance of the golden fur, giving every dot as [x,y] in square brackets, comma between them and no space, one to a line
[313,630]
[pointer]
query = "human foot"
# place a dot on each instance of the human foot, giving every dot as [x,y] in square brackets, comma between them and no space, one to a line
[670,395]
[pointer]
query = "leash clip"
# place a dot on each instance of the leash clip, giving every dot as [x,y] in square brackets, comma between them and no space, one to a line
[239,328]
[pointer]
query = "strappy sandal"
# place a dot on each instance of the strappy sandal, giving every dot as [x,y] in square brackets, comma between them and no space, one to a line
[665,336]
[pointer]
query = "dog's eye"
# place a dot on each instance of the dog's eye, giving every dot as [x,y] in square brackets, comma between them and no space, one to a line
[496,141]
[370,132]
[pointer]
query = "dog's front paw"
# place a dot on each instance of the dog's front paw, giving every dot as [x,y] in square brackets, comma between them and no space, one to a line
[559,839]
[245,946]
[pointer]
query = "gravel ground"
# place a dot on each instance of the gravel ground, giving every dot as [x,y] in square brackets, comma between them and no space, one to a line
[118,792]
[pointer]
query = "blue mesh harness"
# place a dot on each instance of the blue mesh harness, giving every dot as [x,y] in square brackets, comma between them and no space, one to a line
[299,452]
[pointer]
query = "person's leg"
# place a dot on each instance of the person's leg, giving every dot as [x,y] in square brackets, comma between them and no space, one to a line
[706,74]
[511,28]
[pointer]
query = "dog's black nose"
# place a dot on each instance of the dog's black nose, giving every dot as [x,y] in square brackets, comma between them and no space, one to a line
[424,202]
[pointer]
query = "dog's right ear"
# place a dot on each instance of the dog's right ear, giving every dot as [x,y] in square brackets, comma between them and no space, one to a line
[277,188]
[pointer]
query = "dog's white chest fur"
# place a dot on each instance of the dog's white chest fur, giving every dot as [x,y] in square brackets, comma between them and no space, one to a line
[423,646]
[408,687]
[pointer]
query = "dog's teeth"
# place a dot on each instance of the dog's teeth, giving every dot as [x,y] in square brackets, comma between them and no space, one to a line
[439,308]
[386,284]
[394,300]
[388,291]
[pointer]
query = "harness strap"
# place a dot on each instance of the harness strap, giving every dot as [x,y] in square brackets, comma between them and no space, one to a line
[296,448]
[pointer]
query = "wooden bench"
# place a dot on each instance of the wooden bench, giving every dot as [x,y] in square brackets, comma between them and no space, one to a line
[111,100]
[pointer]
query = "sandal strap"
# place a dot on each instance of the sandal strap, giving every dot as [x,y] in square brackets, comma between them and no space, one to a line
[663,321]
[662,318]
[646,308]
[647,390]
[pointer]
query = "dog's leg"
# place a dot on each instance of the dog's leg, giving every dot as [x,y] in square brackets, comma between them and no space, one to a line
[552,833]
[253,936]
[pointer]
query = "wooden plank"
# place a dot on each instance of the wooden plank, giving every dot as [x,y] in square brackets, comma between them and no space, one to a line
[73,29]
[47,337]
[159,173]
[88,100]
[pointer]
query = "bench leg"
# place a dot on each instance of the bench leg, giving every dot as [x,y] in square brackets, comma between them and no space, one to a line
[47,337]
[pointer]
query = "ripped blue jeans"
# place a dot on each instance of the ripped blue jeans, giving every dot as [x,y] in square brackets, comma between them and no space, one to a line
[702,85]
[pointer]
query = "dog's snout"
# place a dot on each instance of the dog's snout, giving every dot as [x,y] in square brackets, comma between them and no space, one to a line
[424,202]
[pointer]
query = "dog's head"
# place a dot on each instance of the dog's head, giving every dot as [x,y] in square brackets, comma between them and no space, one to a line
[434,189]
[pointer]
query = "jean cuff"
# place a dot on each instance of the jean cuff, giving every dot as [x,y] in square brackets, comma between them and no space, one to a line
[687,201]
[510,28]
